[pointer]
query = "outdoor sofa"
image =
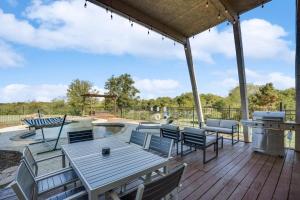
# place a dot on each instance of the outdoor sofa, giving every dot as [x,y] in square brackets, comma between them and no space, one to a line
[230,127]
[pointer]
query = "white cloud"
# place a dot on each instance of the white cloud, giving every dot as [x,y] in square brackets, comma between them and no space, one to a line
[23,92]
[228,79]
[261,40]
[66,24]
[280,80]
[8,57]
[42,92]
[150,88]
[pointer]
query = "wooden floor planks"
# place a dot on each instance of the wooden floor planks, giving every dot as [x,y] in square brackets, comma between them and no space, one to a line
[239,173]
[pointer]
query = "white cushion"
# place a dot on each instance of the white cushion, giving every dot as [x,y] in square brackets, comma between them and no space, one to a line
[218,129]
[213,122]
[228,123]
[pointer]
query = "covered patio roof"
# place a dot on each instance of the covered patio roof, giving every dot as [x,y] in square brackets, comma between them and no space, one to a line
[180,19]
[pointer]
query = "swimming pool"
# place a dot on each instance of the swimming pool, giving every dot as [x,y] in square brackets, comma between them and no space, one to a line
[99,131]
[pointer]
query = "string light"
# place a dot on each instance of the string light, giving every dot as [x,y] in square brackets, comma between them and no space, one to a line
[206,4]
[85,4]
[106,10]
[111,15]
[262,5]
[226,11]
[209,30]
[131,24]
[148,32]
[174,43]
[219,16]
[193,36]
[227,23]
[162,37]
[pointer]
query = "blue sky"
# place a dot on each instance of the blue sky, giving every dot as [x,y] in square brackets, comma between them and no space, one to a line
[44,45]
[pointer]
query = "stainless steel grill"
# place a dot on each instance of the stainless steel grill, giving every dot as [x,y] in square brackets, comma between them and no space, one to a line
[268,137]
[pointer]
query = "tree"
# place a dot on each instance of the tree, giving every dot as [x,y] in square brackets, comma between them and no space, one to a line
[185,100]
[123,87]
[266,97]
[74,95]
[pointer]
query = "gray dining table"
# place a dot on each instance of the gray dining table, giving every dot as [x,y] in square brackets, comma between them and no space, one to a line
[100,174]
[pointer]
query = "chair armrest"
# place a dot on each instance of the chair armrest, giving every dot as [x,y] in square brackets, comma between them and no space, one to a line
[235,128]
[49,158]
[76,196]
[113,195]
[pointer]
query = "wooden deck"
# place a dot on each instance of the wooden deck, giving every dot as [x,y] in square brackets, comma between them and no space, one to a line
[238,173]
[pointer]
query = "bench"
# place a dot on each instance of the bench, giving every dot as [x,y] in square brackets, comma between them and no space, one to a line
[230,127]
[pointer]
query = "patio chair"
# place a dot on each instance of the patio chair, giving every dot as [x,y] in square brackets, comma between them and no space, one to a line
[138,138]
[172,132]
[57,178]
[157,189]
[80,136]
[197,139]
[161,146]
[27,188]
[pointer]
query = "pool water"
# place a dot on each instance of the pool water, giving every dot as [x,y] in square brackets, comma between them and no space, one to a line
[99,131]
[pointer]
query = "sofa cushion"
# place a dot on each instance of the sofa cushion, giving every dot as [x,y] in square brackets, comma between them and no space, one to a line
[210,139]
[228,123]
[213,122]
[218,129]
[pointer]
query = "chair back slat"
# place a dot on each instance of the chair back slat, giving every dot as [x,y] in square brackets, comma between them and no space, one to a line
[80,136]
[29,159]
[194,136]
[24,185]
[170,131]
[160,187]
[138,138]
[161,145]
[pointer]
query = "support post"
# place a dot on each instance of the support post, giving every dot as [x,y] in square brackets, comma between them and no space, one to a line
[297,75]
[189,59]
[242,75]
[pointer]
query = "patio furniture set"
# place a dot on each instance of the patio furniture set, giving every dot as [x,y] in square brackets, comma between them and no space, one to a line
[202,138]
[91,173]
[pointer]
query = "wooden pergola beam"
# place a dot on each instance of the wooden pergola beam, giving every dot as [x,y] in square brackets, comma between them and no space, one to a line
[127,11]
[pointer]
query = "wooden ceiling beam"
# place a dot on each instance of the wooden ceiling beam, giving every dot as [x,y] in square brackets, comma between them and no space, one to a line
[226,10]
[123,9]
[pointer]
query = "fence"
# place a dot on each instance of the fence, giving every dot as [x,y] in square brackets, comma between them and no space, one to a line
[186,116]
